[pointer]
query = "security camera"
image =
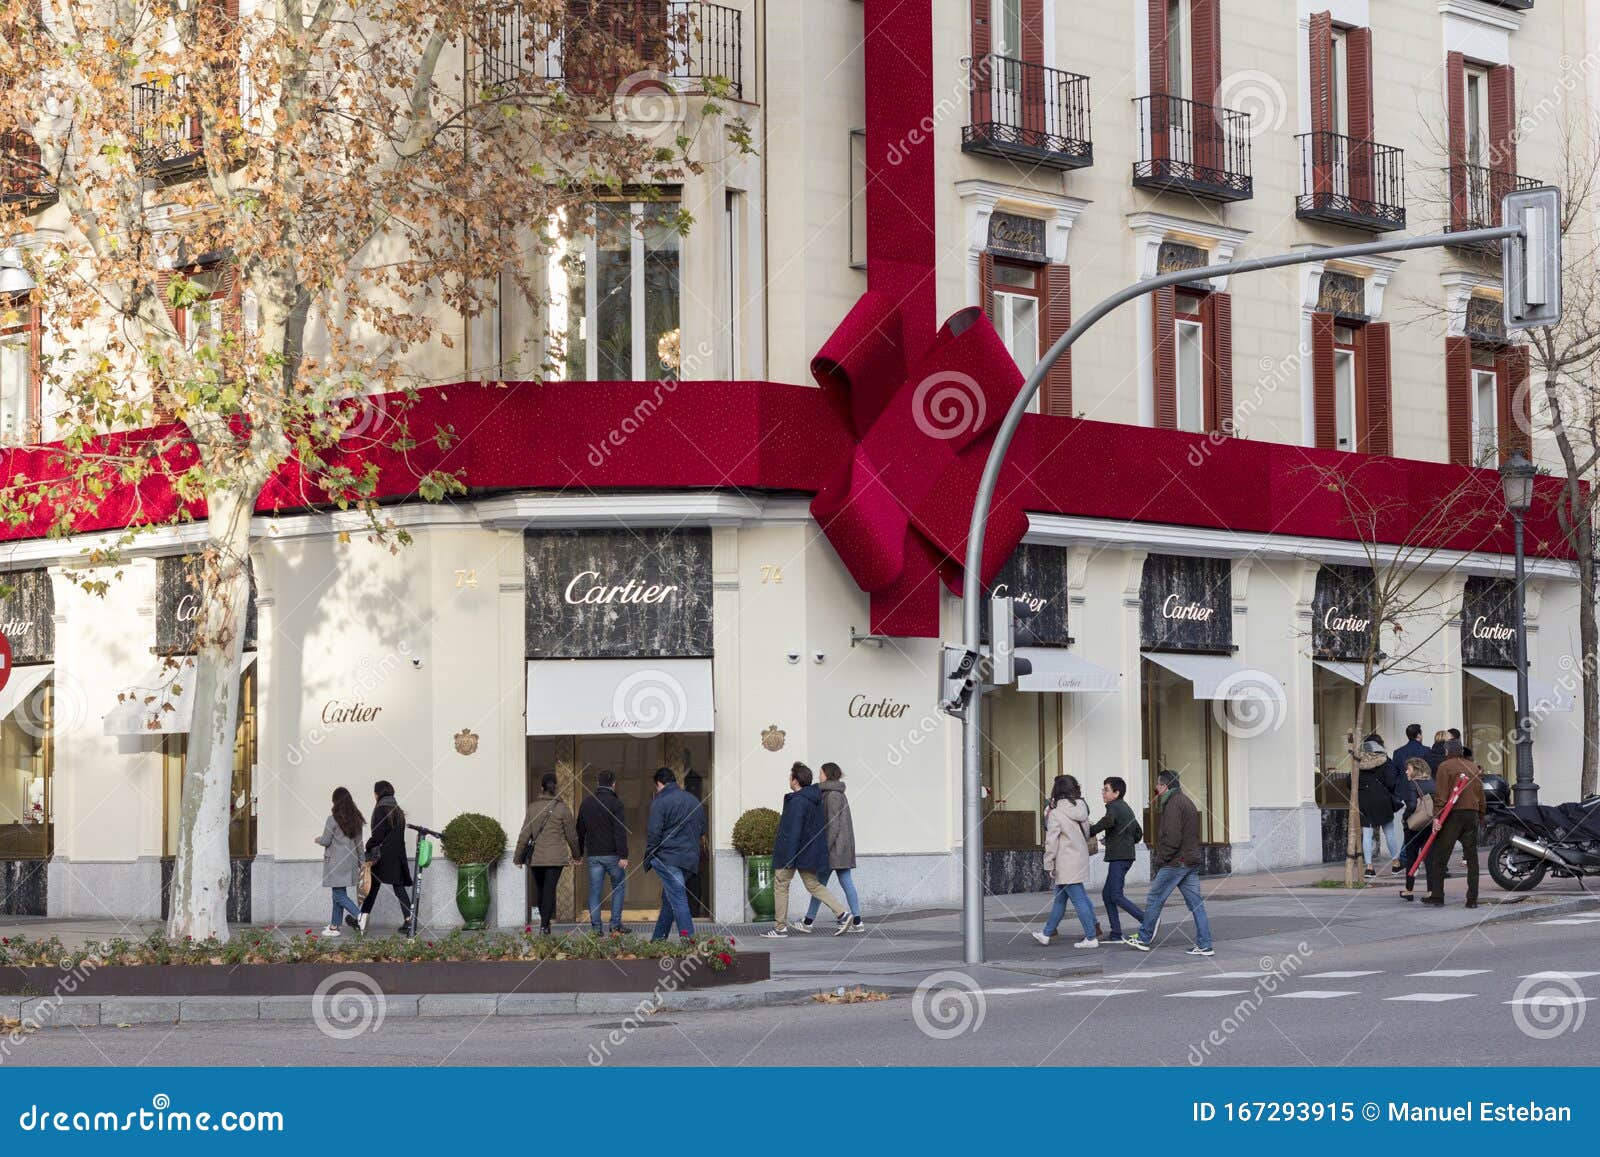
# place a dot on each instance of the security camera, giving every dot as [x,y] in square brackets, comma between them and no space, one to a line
[818,657]
[416,664]
[794,656]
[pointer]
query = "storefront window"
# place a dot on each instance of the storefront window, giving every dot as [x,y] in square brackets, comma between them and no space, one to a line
[26,759]
[1334,705]
[1022,757]
[242,802]
[1182,734]
[1491,724]
[621,288]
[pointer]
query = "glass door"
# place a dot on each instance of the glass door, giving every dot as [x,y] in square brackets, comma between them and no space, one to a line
[1181,734]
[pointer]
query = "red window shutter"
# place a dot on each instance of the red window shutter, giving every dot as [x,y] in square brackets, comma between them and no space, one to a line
[1033,31]
[1057,389]
[1515,407]
[1321,72]
[1377,409]
[1455,77]
[986,285]
[35,368]
[1158,48]
[982,36]
[1502,132]
[1216,315]
[1324,404]
[1458,398]
[981,79]
[1164,356]
[1358,67]
[650,33]
[1205,18]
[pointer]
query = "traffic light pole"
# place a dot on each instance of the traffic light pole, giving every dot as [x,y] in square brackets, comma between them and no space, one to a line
[972,592]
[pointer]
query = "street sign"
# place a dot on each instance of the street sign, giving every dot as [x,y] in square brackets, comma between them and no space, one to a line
[1531,264]
[5,661]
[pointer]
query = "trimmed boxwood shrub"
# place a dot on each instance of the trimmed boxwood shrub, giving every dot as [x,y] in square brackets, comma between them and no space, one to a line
[472,838]
[756,832]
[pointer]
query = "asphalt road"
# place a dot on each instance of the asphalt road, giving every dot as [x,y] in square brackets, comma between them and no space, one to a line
[1340,1006]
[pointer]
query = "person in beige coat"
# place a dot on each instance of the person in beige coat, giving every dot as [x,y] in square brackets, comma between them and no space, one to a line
[547,843]
[1066,860]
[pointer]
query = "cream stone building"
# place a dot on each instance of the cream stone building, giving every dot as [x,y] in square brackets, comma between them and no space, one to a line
[1075,148]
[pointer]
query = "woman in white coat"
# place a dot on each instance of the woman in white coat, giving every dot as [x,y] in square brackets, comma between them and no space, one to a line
[1066,859]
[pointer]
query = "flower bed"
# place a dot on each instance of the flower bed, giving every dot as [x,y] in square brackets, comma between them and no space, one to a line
[266,963]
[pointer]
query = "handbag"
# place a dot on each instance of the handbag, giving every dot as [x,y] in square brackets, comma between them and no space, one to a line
[1092,841]
[527,848]
[364,885]
[1423,816]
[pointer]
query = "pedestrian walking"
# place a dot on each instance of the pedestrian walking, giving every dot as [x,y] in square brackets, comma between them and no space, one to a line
[1122,833]
[341,858]
[672,850]
[1436,754]
[386,852]
[603,845]
[1176,859]
[841,850]
[1066,860]
[1378,801]
[1418,818]
[1412,748]
[547,842]
[801,847]
[1460,826]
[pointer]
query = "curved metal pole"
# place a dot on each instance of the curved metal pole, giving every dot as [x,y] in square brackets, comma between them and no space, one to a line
[972,581]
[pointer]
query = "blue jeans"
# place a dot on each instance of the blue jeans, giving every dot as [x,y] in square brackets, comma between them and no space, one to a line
[1187,881]
[1369,839]
[674,902]
[1114,897]
[343,903]
[846,885]
[1080,901]
[602,868]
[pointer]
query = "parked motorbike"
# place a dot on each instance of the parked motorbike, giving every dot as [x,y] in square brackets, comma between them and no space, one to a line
[1526,843]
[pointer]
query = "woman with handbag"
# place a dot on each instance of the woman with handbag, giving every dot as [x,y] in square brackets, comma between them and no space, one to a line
[1067,848]
[1418,819]
[341,858]
[547,842]
[386,852]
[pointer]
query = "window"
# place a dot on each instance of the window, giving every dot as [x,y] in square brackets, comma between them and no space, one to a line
[619,290]
[18,415]
[1339,83]
[1008,25]
[201,323]
[1017,315]
[26,758]
[733,219]
[1190,365]
[1485,414]
[1179,76]
[1477,117]
[242,800]
[1344,387]
[858,199]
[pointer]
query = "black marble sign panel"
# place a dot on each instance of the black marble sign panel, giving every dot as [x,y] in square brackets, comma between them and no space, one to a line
[1186,604]
[28,615]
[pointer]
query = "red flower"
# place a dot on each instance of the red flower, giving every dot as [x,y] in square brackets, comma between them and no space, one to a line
[725,958]
[731,940]
[309,932]
[528,928]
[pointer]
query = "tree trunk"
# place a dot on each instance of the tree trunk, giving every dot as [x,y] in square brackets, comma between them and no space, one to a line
[199,905]
[1352,839]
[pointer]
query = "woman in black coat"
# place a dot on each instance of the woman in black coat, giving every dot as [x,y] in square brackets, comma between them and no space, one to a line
[386,852]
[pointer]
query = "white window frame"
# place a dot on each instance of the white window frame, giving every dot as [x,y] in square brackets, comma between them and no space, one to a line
[1344,399]
[1339,83]
[1006,305]
[636,302]
[23,432]
[1186,393]
[1179,56]
[1485,428]
[1477,109]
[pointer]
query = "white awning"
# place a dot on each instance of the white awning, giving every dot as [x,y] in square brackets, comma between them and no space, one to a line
[24,681]
[1542,697]
[162,702]
[1058,669]
[1219,677]
[640,697]
[1385,688]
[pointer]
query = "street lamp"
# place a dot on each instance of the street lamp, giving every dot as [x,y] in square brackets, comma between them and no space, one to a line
[14,275]
[1516,481]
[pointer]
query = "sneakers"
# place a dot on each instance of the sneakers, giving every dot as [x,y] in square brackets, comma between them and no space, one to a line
[1199,951]
[804,926]
[858,926]
[621,929]
[351,923]
[778,933]
[1135,942]
[1395,868]
[330,933]
[844,926]
[1371,871]
[1089,943]
[1042,938]
[361,923]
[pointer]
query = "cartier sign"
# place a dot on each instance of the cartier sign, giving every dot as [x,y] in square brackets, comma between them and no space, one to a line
[1012,235]
[1036,576]
[179,606]
[1489,623]
[1341,613]
[609,594]
[1186,604]
[28,615]
[865,707]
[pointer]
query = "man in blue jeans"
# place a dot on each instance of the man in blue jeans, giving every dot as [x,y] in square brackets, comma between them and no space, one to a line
[1176,859]
[1123,833]
[603,844]
[672,849]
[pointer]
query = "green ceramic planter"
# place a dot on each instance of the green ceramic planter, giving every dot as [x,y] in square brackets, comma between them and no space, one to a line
[472,894]
[758,886]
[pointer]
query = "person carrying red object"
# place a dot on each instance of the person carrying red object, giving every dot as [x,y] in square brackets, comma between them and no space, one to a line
[1458,790]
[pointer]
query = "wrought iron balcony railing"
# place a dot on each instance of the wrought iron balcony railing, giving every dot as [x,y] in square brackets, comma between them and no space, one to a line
[166,133]
[1475,195]
[691,42]
[1346,181]
[23,180]
[1199,149]
[1027,112]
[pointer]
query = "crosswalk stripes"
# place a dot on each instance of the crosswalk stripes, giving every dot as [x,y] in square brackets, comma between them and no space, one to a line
[1205,993]
[1557,975]
[1447,973]
[1102,991]
[1548,999]
[1314,994]
[1144,974]
[1433,997]
[1569,921]
[1342,975]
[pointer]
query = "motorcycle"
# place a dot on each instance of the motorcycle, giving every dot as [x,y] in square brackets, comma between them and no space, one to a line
[1526,843]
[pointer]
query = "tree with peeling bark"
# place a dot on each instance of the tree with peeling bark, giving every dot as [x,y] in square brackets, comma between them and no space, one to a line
[1402,584]
[253,235]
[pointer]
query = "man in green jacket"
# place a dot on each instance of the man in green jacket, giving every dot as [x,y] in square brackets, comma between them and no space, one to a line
[1123,834]
[1176,859]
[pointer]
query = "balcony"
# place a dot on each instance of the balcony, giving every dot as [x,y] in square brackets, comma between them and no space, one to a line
[1475,195]
[166,135]
[1344,181]
[23,180]
[1027,112]
[694,42]
[1198,149]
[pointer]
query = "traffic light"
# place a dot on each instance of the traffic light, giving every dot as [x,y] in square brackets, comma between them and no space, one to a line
[958,679]
[1531,263]
[1008,629]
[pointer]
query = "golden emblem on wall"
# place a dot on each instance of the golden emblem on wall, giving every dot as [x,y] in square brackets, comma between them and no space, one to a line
[772,738]
[466,741]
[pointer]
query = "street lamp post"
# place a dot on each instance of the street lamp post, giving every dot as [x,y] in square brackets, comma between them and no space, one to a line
[1516,480]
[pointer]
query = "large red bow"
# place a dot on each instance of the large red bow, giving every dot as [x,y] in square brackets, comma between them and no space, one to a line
[898,510]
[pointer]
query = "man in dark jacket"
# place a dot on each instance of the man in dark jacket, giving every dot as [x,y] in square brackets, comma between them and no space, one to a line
[1176,860]
[1460,825]
[1122,831]
[801,846]
[603,844]
[1412,748]
[672,849]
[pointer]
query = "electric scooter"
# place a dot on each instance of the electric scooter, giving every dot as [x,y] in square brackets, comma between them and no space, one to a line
[424,857]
